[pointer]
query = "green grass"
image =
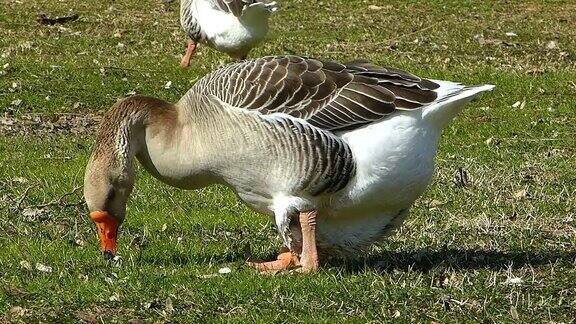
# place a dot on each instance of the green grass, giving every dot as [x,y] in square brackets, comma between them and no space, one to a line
[452,259]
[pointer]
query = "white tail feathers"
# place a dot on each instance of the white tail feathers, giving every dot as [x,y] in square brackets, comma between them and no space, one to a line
[270,6]
[452,98]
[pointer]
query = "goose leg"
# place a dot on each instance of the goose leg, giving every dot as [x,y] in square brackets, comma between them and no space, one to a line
[190,50]
[309,256]
[286,260]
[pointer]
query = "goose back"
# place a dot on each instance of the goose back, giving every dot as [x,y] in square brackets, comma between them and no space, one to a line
[328,95]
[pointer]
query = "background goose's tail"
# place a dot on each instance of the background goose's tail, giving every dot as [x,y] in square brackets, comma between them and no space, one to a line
[267,5]
[452,97]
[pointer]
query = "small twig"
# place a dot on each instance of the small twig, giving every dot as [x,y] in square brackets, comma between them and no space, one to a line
[461,179]
[44,20]
[58,202]
[22,197]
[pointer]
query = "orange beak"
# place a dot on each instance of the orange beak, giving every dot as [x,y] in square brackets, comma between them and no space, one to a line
[107,231]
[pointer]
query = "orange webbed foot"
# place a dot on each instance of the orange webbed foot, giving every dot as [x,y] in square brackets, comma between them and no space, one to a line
[286,260]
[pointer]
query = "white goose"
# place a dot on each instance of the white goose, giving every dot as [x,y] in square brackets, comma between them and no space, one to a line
[336,153]
[230,26]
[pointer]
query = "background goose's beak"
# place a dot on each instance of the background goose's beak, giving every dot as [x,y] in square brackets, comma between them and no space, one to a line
[107,231]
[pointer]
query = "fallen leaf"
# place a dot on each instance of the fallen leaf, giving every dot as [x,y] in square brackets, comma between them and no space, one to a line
[435,203]
[117,261]
[552,45]
[169,307]
[136,321]
[43,267]
[515,281]
[26,265]
[26,46]
[520,194]
[516,104]
[168,85]
[375,7]
[18,311]
[33,214]
[514,313]
[79,242]
[20,179]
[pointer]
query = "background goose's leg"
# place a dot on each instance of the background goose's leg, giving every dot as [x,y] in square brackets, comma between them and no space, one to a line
[190,50]
[286,260]
[309,256]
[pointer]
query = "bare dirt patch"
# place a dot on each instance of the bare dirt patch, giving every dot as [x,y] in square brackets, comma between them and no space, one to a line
[37,125]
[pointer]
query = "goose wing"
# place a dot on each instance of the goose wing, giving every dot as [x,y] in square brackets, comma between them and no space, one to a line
[328,95]
[237,7]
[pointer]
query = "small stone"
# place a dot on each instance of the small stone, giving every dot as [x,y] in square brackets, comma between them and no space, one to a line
[224,270]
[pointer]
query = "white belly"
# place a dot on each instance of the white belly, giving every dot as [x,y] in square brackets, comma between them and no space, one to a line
[395,163]
[228,33]
[394,160]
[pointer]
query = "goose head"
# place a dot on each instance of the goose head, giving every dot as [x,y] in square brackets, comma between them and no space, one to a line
[109,176]
[106,190]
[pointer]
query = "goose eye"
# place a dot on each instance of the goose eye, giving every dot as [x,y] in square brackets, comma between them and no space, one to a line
[111,194]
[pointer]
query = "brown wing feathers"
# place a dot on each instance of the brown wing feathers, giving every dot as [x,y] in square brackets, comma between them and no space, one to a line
[236,7]
[328,95]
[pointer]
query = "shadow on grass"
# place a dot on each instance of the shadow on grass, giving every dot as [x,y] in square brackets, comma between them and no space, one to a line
[420,261]
[427,260]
